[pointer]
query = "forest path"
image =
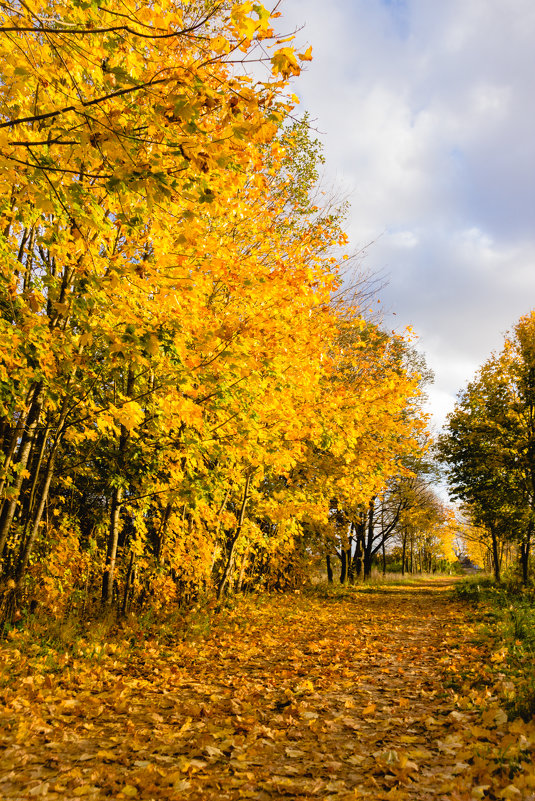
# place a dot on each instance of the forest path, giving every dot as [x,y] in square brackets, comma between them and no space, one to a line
[376,693]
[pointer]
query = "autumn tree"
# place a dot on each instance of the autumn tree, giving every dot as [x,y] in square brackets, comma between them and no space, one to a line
[119,127]
[488,445]
[180,397]
[371,364]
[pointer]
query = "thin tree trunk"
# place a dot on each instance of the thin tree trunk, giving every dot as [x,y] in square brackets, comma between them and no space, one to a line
[350,563]
[230,559]
[8,512]
[162,533]
[218,528]
[15,436]
[369,540]
[128,583]
[27,546]
[36,464]
[329,569]
[350,567]
[116,504]
[495,554]
[359,550]
[113,542]
[243,566]
[524,550]
[343,567]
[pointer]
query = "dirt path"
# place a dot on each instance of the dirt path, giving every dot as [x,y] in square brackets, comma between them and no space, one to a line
[290,697]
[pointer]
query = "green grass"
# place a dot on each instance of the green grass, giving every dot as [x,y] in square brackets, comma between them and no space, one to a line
[506,616]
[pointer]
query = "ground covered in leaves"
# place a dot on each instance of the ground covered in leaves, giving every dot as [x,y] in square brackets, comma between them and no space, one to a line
[379,693]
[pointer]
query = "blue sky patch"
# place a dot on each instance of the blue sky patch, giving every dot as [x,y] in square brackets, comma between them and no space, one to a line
[400,15]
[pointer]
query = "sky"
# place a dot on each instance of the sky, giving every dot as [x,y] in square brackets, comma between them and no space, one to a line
[426,110]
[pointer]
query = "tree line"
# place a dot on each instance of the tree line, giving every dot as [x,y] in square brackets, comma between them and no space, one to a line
[188,393]
[488,449]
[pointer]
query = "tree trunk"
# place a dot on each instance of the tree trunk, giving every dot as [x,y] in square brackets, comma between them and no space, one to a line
[128,584]
[524,554]
[27,546]
[369,540]
[116,504]
[357,559]
[230,559]
[35,463]
[15,436]
[9,509]
[329,569]
[403,552]
[162,533]
[350,568]
[113,542]
[350,563]
[218,528]
[243,566]
[343,568]
[495,554]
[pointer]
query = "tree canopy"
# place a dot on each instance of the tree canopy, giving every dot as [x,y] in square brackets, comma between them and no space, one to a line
[488,445]
[181,396]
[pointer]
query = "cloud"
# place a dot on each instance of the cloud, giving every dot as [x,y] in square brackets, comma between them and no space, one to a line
[427,114]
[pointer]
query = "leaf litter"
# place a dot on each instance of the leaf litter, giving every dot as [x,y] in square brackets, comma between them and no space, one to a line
[380,694]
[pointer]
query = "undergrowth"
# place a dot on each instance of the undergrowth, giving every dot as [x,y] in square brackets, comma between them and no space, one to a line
[73,633]
[505,614]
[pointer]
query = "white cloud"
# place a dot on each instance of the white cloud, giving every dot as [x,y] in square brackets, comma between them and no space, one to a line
[427,111]
[404,239]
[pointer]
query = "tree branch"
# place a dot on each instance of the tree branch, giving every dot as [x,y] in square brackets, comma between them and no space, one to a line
[84,103]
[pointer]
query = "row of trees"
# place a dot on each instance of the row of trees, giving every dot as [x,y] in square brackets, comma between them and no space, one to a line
[184,388]
[489,450]
[406,524]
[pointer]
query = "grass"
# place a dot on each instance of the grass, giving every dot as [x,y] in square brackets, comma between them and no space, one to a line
[506,617]
[378,579]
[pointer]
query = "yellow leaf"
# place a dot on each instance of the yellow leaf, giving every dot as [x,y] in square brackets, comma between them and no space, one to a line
[181,786]
[109,756]
[220,44]
[294,753]
[480,791]
[86,338]
[40,789]
[510,792]
[130,415]
[285,62]
[307,55]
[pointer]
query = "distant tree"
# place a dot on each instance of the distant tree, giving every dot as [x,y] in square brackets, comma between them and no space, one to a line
[489,445]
